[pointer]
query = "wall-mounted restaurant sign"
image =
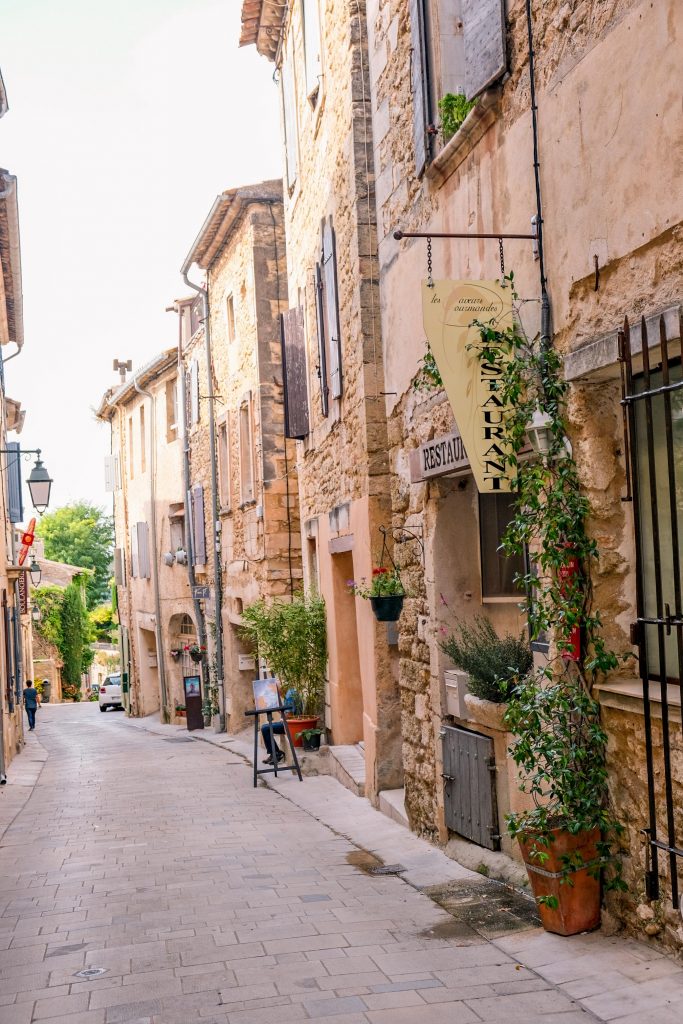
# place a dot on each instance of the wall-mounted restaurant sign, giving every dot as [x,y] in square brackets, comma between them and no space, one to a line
[445,454]
[449,308]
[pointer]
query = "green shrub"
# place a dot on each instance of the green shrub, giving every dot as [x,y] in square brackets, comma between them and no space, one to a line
[494,664]
[453,108]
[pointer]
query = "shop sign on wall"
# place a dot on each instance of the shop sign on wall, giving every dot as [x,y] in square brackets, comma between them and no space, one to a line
[449,308]
[445,454]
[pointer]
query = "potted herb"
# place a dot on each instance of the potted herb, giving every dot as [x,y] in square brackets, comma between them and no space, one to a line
[181,711]
[385,592]
[291,636]
[311,738]
[454,108]
[570,837]
[493,664]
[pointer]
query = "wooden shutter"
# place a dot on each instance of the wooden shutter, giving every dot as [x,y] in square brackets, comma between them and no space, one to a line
[418,78]
[110,473]
[194,391]
[294,373]
[332,307]
[119,567]
[484,42]
[199,535]
[144,564]
[289,116]
[134,566]
[15,495]
[322,357]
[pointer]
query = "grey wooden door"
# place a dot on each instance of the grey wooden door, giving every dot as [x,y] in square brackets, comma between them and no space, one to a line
[470,786]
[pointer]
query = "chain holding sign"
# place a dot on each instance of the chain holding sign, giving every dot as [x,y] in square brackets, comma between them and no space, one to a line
[472,383]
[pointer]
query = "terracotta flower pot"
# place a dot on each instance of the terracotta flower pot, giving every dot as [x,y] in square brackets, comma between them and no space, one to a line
[298,725]
[387,609]
[578,907]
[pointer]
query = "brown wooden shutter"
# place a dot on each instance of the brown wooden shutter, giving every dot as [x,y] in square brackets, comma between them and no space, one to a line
[294,373]
[322,357]
[484,41]
[418,78]
[198,525]
[332,307]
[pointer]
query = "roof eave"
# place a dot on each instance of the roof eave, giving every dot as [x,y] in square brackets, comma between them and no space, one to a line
[11,293]
[119,396]
[262,23]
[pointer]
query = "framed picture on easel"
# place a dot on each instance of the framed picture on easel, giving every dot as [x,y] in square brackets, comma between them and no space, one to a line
[266,694]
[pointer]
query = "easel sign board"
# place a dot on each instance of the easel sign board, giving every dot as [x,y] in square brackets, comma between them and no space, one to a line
[266,694]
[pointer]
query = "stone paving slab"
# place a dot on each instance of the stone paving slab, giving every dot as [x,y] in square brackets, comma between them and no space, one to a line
[206,900]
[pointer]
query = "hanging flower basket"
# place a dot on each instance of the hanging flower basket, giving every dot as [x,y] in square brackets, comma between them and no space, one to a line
[196,653]
[387,609]
[175,653]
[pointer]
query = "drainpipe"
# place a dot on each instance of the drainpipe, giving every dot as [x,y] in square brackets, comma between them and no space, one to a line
[161,664]
[218,579]
[546,327]
[189,540]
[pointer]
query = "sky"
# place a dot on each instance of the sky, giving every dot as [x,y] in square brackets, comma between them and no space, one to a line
[125,121]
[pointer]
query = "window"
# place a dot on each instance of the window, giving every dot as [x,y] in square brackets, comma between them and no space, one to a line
[327,307]
[131,451]
[224,464]
[289,120]
[310,14]
[246,452]
[498,570]
[230,316]
[186,626]
[171,410]
[457,46]
[143,446]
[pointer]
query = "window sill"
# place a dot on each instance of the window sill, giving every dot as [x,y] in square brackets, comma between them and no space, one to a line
[627,695]
[460,145]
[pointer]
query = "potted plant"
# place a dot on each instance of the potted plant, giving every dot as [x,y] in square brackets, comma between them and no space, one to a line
[176,652]
[493,664]
[311,738]
[180,710]
[569,838]
[291,636]
[385,592]
[196,652]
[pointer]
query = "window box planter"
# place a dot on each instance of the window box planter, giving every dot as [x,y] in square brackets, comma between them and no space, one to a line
[485,712]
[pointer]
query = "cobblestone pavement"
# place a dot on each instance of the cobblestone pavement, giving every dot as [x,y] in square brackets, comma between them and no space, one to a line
[151,864]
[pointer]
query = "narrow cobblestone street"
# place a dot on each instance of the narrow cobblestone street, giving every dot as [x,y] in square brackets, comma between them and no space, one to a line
[152,862]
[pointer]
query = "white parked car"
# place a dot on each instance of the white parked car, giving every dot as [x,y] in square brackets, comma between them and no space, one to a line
[110,693]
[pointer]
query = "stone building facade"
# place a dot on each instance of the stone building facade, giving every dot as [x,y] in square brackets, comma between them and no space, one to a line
[320,52]
[612,249]
[145,474]
[241,252]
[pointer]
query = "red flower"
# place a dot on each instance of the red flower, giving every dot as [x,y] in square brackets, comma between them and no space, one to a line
[381,571]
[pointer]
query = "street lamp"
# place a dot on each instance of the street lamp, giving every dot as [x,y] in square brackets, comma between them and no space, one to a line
[35,571]
[36,614]
[39,484]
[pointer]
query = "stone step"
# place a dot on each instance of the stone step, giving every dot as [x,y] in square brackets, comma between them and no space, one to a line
[392,803]
[347,765]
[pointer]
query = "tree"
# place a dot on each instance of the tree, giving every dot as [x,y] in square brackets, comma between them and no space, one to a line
[103,624]
[81,534]
[75,636]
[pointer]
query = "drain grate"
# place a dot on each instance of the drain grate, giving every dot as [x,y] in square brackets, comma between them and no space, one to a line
[483,906]
[386,869]
[91,972]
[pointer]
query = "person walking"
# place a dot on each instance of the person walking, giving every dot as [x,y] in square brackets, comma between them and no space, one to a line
[31,703]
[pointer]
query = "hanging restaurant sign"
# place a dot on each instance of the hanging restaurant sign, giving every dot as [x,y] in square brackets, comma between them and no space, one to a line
[449,309]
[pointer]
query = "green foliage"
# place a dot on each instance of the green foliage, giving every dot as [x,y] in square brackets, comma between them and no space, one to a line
[494,664]
[103,624]
[292,637]
[453,108]
[70,691]
[427,377]
[49,600]
[75,636]
[81,534]
[559,743]
[383,583]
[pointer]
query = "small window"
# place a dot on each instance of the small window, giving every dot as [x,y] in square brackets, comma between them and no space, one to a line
[246,453]
[186,626]
[498,570]
[224,464]
[171,410]
[143,446]
[131,449]
[230,315]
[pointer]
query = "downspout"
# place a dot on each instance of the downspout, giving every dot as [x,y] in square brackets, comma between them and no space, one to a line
[155,565]
[215,543]
[187,480]
[545,299]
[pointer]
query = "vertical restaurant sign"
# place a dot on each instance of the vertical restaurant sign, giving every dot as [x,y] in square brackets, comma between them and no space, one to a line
[471,383]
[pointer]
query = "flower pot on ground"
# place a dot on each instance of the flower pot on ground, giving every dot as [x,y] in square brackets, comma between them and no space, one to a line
[298,725]
[311,738]
[180,711]
[291,637]
[568,897]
